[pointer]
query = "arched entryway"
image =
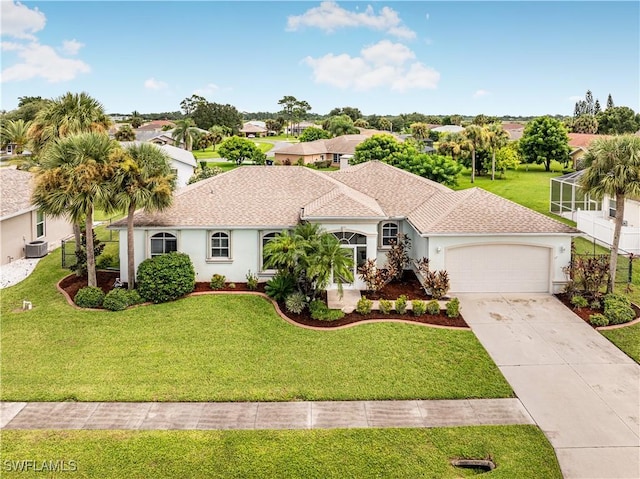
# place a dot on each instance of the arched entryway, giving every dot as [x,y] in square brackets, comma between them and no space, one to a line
[357,243]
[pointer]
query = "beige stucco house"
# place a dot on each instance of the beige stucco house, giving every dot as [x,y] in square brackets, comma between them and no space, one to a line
[319,150]
[485,242]
[23,229]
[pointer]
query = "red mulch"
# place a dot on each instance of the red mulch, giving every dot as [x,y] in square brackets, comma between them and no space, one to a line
[584,313]
[410,287]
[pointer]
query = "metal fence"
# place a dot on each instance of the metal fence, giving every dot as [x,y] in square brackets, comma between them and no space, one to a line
[624,270]
[68,244]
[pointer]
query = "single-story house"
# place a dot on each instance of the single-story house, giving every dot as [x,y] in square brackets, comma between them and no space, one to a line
[579,144]
[297,128]
[448,129]
[156,125]
[515,130]
[485,242]
[182,163]
[23,229]
[250,130]
[319,150]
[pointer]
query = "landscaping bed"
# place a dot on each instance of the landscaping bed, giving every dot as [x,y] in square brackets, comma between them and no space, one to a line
[586,312]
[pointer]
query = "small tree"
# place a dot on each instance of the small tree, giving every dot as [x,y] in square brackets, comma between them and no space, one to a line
[312,133]
[125,133]
[240,150]
[545,139]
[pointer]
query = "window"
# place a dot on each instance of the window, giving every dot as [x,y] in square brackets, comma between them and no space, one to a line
[220,245]
[266,237]
[389,232]
[612,208]
[40,231]
[336,157]
[162,243]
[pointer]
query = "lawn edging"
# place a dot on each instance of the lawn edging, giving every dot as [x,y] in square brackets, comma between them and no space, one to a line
[623,325]
[277,309]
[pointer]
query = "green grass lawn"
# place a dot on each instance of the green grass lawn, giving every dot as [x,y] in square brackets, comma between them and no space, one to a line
[222,348]
[208,152]
[519,452]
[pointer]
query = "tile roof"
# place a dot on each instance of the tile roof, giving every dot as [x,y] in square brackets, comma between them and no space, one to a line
[477,211]
[345,144]
[251,128]
[15,191]
[278,197]
[156,125]
[583,140]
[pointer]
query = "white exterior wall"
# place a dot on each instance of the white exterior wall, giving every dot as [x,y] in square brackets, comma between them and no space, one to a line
[560,247]
[184,173]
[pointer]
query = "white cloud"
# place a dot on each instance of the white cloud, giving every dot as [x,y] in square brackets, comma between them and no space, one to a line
[480,93]
[383,64]
[153,84]
[41,61]
[71,47]
[208,90]
[19,21]
[329,16]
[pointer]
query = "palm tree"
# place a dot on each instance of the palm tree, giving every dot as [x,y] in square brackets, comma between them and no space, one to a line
[613,169]
[16,131]
[143,179]
[76,176]
[385,124]
[420,131]
[185,132]
[454,144]
[330,258]
[217,135]
[477,136]
[68,114]
[497,137]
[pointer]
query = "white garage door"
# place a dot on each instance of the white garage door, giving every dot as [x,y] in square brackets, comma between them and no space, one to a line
[498,268]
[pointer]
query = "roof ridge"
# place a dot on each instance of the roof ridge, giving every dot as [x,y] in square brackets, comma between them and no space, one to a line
[353,193]
[461,196]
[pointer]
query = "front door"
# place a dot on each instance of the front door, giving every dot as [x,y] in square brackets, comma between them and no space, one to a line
[357,243]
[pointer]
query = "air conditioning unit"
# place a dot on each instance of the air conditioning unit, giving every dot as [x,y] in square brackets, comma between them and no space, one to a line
[36,249]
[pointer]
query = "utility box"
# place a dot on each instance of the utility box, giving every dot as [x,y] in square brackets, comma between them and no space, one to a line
[36,249]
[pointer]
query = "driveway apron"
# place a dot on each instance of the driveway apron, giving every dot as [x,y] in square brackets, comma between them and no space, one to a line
[581,390]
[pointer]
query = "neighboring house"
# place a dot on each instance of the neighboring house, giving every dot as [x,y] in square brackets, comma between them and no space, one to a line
[21,223]
[448,129]
[250,130]
[183,163]
[164,138]
[319,150]
[594,217]
[297,128]
[485,242]
[515,130]
[579,144]
[156,125]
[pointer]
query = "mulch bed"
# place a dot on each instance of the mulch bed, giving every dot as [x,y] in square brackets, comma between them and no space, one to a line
[584,313]
[410,287]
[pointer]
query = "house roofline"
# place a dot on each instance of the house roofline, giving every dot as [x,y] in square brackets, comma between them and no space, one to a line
[204,227]
[18,213]
[444,235]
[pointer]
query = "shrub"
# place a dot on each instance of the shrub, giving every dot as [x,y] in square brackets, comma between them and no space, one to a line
[166,277]
[105,260]
[595,304]
[296,302]
[232,285]
[401,304]
[375,277]
[385,306]
[116,300]
[617,309]
[134,297]
[590,273]
[418,307]
[598,320]
[322,164]
[364,305]
[579,301]
[252,281]
[398,255]
[280,286]
[89,297]
[300,161]
[217,281]
[321,312]
[453,308]
[433,307]
[437,282]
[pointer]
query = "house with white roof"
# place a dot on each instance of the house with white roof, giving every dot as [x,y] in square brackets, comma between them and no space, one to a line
[182,162]
[485,242]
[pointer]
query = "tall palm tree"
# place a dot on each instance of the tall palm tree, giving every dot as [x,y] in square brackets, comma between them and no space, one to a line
[67,115]
[497,137]
[613,169]
[328,258]
[477,136]
[77,176]
[16,131]
[143,179]
[217,135]
[454,144]
[185,132]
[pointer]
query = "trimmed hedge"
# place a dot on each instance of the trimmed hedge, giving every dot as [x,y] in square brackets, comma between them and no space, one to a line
[117,300]
[166,277]
[89,297]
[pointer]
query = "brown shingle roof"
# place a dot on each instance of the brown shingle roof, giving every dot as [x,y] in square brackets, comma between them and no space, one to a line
[583,140]
[15,191]
[477,211]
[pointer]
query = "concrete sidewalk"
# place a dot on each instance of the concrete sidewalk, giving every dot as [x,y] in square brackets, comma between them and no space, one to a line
[275,415]
[581,390]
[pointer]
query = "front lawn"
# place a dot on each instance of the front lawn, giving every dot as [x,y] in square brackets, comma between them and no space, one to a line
[223,348]
[518,451]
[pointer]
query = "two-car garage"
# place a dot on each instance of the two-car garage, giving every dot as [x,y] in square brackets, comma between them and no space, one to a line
[500,267]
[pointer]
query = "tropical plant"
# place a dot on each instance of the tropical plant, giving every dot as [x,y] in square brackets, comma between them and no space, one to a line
[579,301]
[280,286]
[437,283]
[16,131]
[477,137]
[252,281]
[544,140]
[585,124]
[321,312]
[125,133]
[216,135]
[217,281]
[296,302]
[497,137]
[77,176]
[142,179]
[398,255]
[612,169]
[454,145]
[374,277]
[80,266]
[185,133]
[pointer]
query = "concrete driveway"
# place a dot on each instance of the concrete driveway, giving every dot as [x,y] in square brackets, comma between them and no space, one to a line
[582,391]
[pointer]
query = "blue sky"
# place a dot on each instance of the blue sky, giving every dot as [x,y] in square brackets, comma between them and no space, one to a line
[518,58]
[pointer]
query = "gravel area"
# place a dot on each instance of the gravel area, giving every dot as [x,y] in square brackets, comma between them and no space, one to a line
[14,272]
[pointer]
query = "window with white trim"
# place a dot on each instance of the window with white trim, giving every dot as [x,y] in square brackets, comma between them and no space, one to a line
[162,243]
[388,232]
[612,208]
[40,224]
[220,245]
[266,237]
